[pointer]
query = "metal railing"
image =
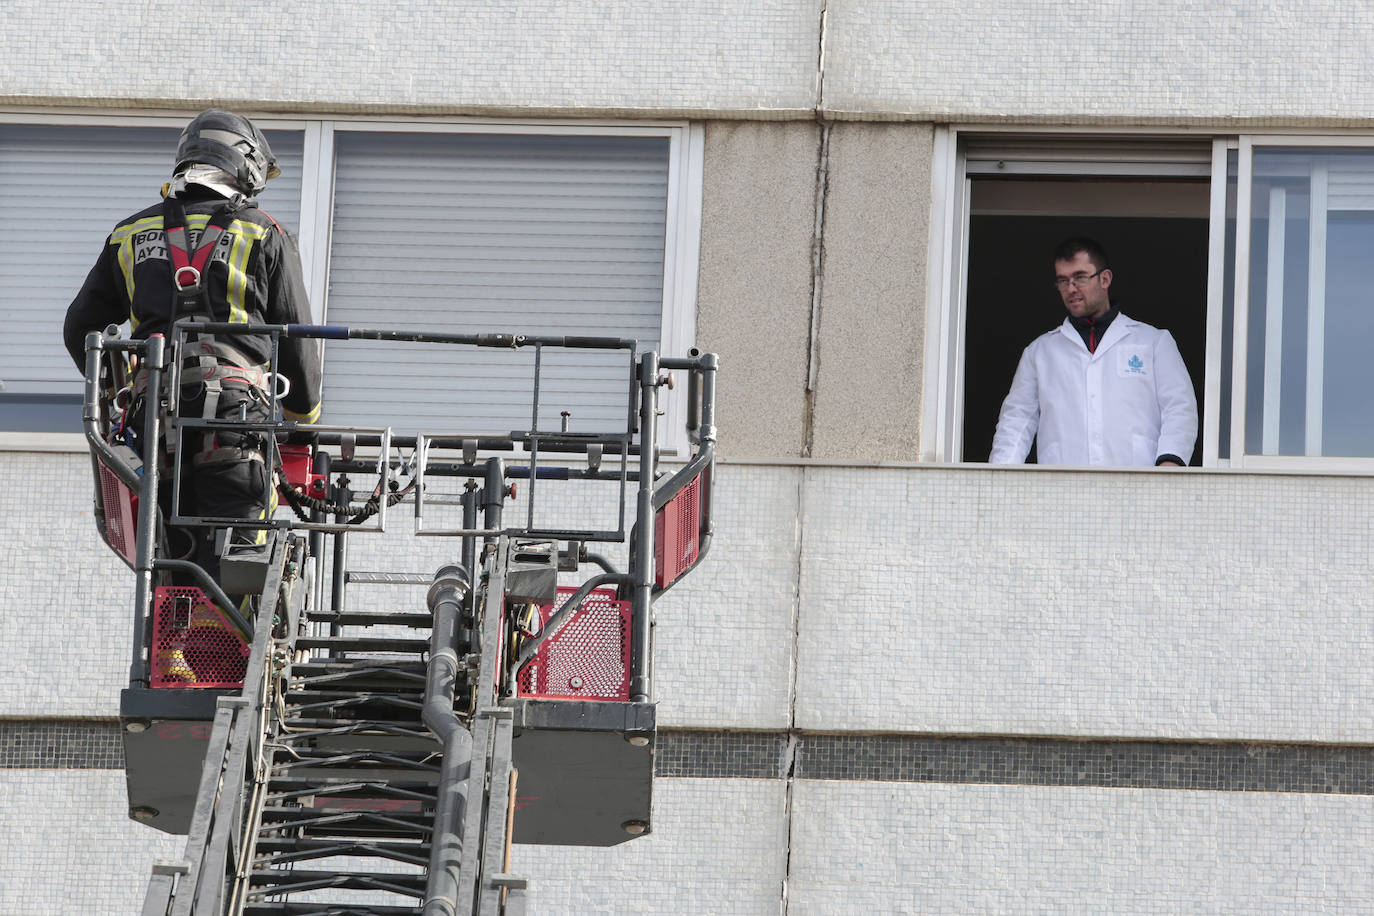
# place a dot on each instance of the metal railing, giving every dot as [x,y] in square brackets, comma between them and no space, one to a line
[214,872]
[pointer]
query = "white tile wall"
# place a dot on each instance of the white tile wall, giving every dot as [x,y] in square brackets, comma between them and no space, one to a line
[485,55]
[69,846]
[929,848]
[719,846]
[1267,61]
[931,600]
[724,636]
[65,600]
[1161,605]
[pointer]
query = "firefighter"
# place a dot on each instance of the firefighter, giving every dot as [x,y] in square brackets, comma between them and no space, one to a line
[207,252]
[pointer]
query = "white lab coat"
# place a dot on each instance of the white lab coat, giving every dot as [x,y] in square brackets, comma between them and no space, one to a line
[1125,404]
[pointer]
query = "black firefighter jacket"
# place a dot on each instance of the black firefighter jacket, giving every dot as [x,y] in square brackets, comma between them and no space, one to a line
[253,276]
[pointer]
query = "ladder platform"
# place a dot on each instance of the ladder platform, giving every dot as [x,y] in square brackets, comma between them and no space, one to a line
[586,771]
[165,734]
[360,670]
[275,850]
[345,821]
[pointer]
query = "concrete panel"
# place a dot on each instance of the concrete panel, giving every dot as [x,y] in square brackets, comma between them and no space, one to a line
[718,846]
[1101,61]
[66,601]
[723,641]
[485,56]
[929,848]
[71,848]
[868,393]
[1024,601]
[754,287]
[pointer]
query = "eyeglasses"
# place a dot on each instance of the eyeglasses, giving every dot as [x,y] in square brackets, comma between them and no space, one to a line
[1080,281]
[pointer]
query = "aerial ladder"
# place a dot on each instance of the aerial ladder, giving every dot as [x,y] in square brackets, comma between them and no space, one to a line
[327,758]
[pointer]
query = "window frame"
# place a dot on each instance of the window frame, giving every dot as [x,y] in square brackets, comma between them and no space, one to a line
[682,238]
[1246,145]
[946,285]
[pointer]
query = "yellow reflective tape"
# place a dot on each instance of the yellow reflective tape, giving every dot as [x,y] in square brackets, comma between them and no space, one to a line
[311,417]
[245,235]
[123,240]
[125,254]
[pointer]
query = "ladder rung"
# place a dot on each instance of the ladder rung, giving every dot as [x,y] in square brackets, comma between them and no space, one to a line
[372,619]
[354,880]
[363,643]
[351,909]
[387,578]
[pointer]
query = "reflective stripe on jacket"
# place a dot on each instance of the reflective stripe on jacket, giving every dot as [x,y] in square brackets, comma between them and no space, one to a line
[253,276]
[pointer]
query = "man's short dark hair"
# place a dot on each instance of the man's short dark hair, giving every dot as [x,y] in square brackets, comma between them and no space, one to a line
[1069,249]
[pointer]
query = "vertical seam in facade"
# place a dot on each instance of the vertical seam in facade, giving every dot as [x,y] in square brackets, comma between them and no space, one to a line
[789,761]
[788,765]
[817,243]
[813,356]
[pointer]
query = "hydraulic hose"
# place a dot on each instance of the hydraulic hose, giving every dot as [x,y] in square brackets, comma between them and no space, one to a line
[445,598]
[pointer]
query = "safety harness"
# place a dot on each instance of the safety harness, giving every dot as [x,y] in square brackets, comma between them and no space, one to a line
[188,265]
[205,361]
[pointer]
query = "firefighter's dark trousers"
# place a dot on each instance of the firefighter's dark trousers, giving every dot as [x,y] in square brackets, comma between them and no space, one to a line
[224,474]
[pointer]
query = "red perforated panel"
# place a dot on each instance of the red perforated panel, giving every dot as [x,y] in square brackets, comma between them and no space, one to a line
[193,645]
[677,534]
[588,658]
[121,515]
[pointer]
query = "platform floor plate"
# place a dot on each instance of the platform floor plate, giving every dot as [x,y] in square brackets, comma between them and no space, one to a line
[581,780]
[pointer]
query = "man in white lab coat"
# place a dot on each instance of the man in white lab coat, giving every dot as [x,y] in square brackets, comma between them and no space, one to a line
[1100,389]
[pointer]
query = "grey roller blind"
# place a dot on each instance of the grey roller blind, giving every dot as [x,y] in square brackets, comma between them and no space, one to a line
[1079,155]
[62,188]
[61,191]
[465,233]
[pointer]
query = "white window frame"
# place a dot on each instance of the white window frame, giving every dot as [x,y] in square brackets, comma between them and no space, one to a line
[1247,144]
[682,238]
[942,398]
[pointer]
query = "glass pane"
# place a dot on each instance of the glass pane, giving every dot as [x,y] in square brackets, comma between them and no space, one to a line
[1310,325]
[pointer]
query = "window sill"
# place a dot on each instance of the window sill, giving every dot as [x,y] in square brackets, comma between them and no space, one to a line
[43,442]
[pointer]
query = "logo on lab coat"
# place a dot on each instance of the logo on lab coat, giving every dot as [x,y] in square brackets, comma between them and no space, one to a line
[1132,365]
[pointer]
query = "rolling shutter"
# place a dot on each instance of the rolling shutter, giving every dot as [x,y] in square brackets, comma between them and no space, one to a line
[480,232]
[62,188]
[1079,155]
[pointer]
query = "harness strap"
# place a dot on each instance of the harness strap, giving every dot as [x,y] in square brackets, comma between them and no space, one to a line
[187,264]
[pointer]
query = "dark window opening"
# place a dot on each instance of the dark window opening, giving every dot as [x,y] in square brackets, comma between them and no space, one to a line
[1156,232]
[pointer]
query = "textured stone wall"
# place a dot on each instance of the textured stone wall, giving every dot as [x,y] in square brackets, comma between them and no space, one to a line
[916,602]
[1096,61]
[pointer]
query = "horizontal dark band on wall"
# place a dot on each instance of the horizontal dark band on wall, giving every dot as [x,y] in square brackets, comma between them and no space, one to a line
[756,755]
[1342,770]
[60,745]
[1227,767]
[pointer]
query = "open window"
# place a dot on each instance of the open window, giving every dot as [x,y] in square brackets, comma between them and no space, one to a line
[1194,226]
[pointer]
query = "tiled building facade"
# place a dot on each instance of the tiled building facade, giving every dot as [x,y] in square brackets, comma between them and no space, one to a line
[904,682]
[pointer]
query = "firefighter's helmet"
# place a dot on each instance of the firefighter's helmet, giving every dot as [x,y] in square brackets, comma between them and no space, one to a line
[229,142]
